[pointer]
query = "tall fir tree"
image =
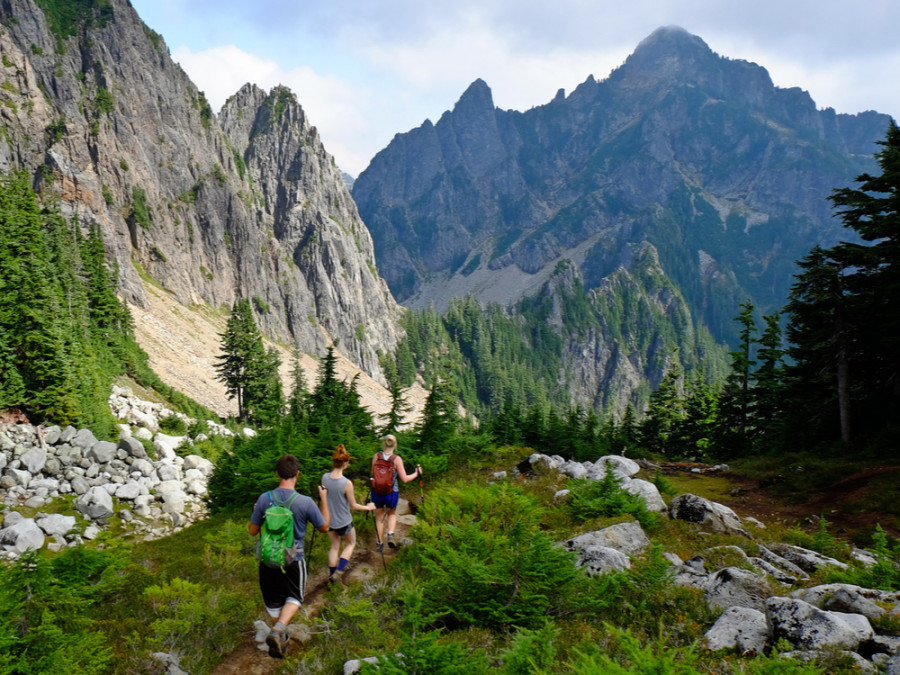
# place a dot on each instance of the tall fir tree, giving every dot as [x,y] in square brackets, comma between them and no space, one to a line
[250,373]
[870,277]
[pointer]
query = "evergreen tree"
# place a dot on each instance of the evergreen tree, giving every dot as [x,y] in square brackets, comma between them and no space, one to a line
[440,418]
[249,372]
[819,334]
[664,413]
[870,277]
[399,407]
[769,377]
[36,330]
[297,403]
[736,422]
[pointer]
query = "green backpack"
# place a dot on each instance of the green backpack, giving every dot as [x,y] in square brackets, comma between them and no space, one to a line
[276,543]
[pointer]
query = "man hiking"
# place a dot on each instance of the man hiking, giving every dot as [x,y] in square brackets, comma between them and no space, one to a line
[341,502]
[387,471]
[282,579]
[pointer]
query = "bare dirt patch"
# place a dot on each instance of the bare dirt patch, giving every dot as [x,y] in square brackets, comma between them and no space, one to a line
[183,346]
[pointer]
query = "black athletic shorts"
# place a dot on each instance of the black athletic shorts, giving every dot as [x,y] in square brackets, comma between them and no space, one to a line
[280,584]
[341,531]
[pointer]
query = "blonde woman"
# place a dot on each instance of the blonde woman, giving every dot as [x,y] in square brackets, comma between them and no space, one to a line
[387,472]
[341,499]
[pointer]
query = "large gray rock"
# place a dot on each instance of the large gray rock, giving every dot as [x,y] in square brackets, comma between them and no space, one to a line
[23,535]
[621,466]
[648,492]
[711,515]
[168,472]
[84,439]
[597,560]
[807,560]
[34,459]
[166,445]
[133,447]
[56,524]
[95,504]
[808,627]
[52,434]
[739,628]
[847,598]
[129,490]
[80,485]
[145,467]
[629,538]
[734,586]
[199,463]
[782,563]
[102,452]
[20,476]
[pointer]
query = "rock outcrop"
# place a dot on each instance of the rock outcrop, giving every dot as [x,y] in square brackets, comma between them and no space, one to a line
[251,206]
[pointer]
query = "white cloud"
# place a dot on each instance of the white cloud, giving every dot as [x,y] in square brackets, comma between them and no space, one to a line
[365,71]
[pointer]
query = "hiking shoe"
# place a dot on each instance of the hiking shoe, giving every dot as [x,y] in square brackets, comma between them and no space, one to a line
[379,547]
[277,641]
[391,541]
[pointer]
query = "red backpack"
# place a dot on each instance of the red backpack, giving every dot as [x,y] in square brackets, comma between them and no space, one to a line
[383,471]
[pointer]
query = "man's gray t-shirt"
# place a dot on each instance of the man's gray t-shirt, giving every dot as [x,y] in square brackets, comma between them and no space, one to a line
[304,510]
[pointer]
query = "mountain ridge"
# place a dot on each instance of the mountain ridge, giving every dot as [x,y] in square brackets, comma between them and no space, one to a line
[723,174]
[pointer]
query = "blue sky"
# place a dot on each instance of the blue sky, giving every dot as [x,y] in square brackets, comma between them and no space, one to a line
[364,70]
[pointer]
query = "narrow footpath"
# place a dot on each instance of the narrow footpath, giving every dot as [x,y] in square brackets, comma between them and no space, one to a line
[249,659]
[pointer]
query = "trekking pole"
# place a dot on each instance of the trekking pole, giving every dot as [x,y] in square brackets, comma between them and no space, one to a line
[381,542]
[421,491]
[312,540]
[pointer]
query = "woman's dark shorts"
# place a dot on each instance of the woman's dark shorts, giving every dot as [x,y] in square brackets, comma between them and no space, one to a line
[386,501]
[341,531]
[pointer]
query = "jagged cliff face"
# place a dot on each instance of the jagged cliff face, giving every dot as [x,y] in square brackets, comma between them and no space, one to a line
[701,156]
[210,210]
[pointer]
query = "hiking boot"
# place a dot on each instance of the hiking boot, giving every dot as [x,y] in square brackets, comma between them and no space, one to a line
[379,546]
[391,541]
[277,641]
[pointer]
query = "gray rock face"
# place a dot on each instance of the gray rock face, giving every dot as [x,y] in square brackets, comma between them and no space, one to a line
[805,559]
[34,459]
[133,447]
[245,205]
[602,559]
[56,524]
[102,452]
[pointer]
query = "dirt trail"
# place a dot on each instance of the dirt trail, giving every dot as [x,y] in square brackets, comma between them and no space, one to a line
[249,659]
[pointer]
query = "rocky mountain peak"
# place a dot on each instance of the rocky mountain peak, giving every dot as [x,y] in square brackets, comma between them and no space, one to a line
[477,99]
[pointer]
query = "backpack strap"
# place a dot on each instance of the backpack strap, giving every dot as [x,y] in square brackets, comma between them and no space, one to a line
[286,504]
